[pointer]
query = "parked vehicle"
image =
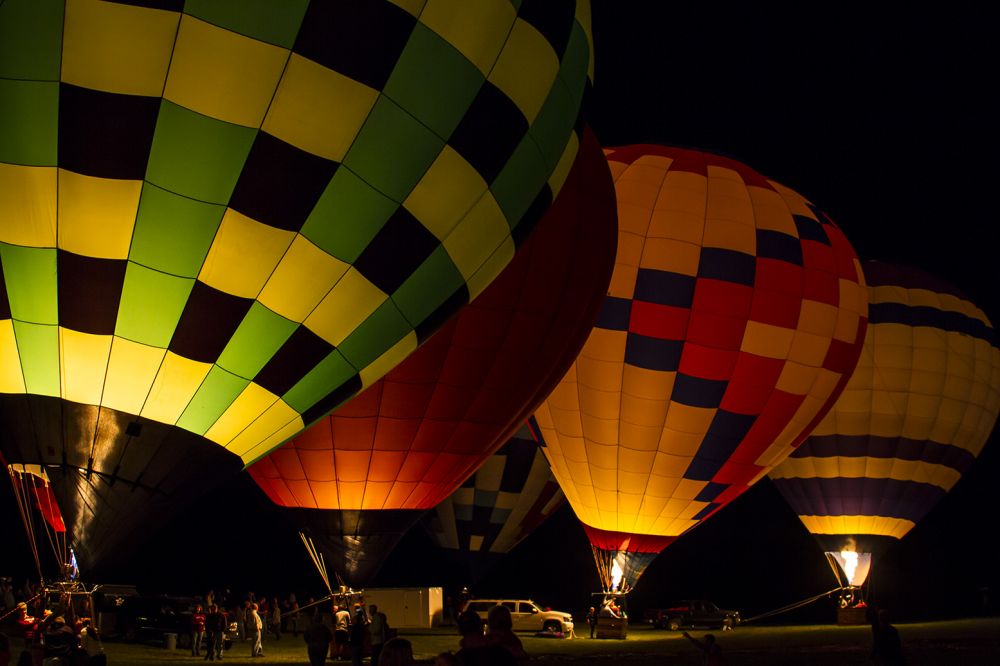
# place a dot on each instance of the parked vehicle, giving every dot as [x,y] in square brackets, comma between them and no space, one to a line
[696,613]
[526,614]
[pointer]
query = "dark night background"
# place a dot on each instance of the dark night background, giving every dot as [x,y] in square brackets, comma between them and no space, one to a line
[886,120]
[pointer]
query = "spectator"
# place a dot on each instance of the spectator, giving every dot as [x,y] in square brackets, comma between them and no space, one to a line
[378,629]
[60,641]
[887,648]
[476,649]
[712,653]
[501,632]
[274,622]
[215,633]
[254,629]
[318,638]
[397,652]
[197,630]
[341,632]
[358,635]
[90,643]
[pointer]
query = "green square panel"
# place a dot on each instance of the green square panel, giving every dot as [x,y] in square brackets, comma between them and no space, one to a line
[347,216]
[329,373]
[266,20]
[31,39]
[428,287]
[32,287]
[29,118]
[434,81]
[213,398]
[517,185]
[257,339]
[197,156]
[380,331]
[38,348]
[152,304]
[554,123]
[393,150]
[173,233]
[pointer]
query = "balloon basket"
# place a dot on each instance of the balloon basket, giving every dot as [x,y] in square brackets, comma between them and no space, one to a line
[852,616]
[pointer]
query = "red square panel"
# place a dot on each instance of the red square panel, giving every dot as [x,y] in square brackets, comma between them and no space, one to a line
[721,297]
[707,362]
[778,275]
[665,322]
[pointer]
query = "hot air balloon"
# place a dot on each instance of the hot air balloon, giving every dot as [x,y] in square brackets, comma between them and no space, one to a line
[914,416]
[43,522]
[365,474]
[497,507]
[735,314]
[218,221]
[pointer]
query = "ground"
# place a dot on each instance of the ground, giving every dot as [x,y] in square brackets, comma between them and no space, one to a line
[960,642]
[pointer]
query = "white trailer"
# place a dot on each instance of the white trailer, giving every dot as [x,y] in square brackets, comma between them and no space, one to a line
[407,607]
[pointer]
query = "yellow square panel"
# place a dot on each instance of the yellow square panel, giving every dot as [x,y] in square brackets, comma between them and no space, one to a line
[97,215]
[767,340]
[376,494]
[636,462]
[629,251]
[600,431]
[617,168]
[478,235]
[131,372]
[605,480]
[600,404]
[678,443]
[223,74]
[447,192]
[11,378]
[644,412]
[730,235]
[253,401]
[666,254]
[317,109]
[348,304]
[853,296]
[809,349]
[243,255]
[605,345]
[83,363]
[491,268]
[599,375]
[28,205]
[770,212]
[389,359]
[117,48]
[526,68]
[817,318]
[796,203]
[300,281]
[649,384]
[265,432]
[796,378]
[654,162]
[634,209]
[177,380]
[477,29]
[639,437]
[888,294]
[846,329]
[683,192]
[689,489]
[623,278]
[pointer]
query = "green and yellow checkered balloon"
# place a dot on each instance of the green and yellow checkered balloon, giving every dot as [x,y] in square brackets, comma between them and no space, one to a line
[231,216]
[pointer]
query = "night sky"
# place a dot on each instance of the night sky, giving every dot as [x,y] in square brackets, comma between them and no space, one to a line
[885,120]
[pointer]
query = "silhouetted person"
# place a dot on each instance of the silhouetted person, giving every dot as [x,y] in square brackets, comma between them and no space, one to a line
[378,628]
[712,653]
[318,638]
[501,632]
[358,636]
[476,649]
[887,649]
[60,641]
[592,620]
[397,652]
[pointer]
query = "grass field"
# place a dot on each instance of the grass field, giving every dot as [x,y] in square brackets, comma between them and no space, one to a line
[958,642]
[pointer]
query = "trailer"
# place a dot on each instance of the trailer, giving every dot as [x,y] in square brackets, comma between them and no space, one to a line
[407,607]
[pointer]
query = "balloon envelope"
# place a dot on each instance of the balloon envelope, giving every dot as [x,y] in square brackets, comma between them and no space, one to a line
[498,506]
[218,221]
[735,314]
[406,443]
[913,418]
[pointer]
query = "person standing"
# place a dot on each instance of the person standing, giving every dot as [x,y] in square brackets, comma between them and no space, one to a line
[254,628]
[378,628]
[341,631]
[318,638]
[215,629]
[712,653]
[90,643]
[197,630]
[592,620]
[887,648]
[359,636]
[275,619]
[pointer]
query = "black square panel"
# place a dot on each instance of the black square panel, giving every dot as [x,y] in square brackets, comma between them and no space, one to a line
[810,229]
[649,353]
[399,247]
[361,39]
[280,184]
[489,132]
[90,291]
[777,245]
[301,352]
[698,392]
[105,134]
[332,400]
[441,314]
[208,322]
[553,18]
[728,265]
[664,288]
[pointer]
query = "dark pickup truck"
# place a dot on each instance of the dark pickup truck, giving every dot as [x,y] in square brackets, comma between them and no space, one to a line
[696,613]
